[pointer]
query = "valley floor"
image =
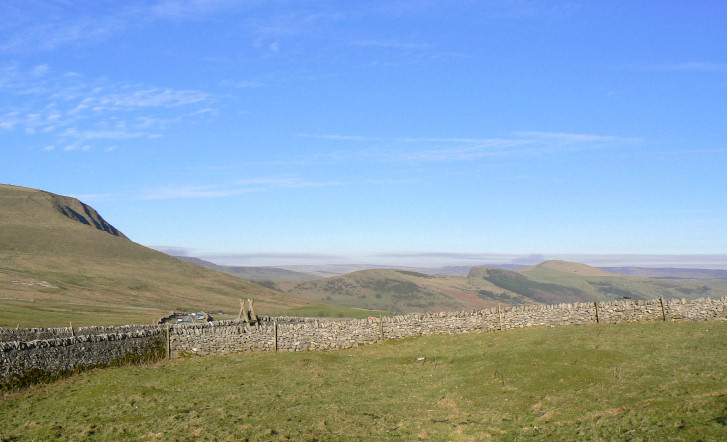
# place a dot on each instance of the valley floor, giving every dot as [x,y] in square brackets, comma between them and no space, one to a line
[655,380]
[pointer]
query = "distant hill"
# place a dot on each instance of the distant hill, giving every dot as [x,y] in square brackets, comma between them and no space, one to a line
[541,292]
[60,260]
[573,268]
[252,273]
[676,273]
[329,270]
[604,285]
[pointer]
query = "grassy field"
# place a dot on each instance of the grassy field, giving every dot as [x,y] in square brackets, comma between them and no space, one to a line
[23,313]
[57,314]
[625,381]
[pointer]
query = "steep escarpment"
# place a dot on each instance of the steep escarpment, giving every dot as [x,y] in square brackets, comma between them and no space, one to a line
[83,213]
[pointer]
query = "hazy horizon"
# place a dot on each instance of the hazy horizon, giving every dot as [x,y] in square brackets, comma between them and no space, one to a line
[437,260]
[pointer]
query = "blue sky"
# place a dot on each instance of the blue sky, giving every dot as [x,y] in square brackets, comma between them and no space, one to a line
[410,132]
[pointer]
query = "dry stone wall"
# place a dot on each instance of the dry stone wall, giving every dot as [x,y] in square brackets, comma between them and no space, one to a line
[57,350]
[20,362]
[291,334]
[36,333]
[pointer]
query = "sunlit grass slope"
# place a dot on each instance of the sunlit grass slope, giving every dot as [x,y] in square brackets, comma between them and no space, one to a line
[56,252]
[608,286]
[628,381]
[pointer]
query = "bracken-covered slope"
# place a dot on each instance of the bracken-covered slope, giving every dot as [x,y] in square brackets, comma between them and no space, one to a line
[60,261]
[403,291]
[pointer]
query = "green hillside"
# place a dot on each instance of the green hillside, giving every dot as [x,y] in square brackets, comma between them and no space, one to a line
[61,261]
[541,292]
[597,283]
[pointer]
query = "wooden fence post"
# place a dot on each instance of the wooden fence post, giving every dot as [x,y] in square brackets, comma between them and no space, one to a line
[663,310]
[169,343]
[499,318]
[595,303]
[275,344]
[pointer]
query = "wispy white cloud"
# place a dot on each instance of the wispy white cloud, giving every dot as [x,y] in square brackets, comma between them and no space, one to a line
[96,135]
[153,97]
[36,25]
[243,84]
[194,9]
[561,137]
[77,146]
[238,187]
[39,101]
[454,149]
[47,26]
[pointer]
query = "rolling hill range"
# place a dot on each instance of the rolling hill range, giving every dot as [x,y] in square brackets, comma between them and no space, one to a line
[402,291]
[329,270]
[550,282]
[60,261]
